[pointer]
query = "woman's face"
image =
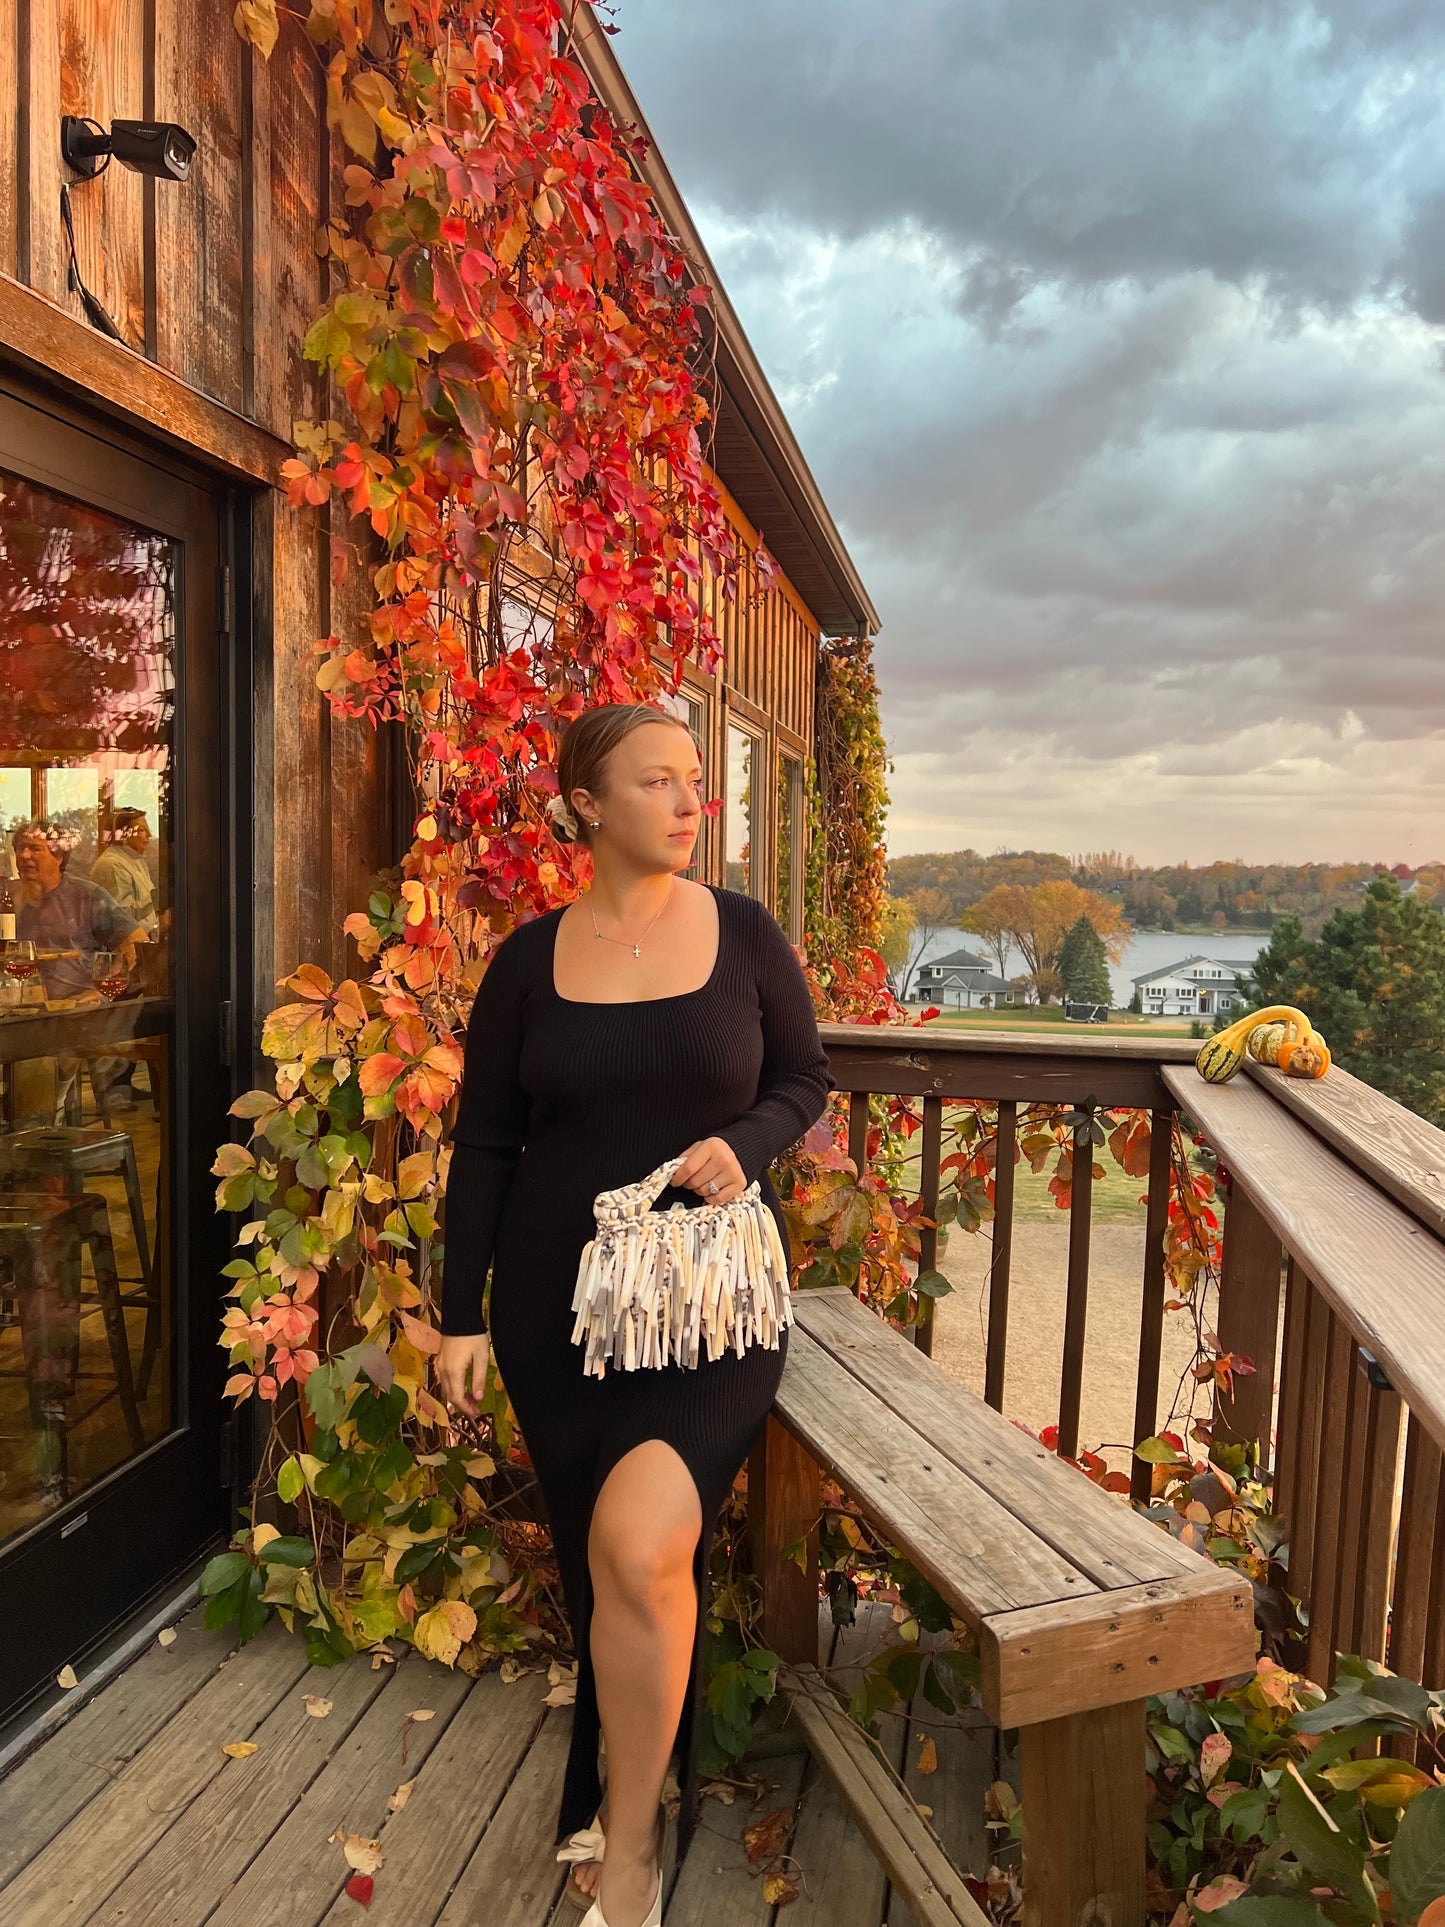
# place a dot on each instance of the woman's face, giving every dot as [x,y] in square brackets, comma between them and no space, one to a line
[651,809]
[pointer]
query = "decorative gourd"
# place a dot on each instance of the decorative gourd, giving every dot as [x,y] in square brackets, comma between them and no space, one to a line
[1218,1059]
[1264,1042]
[1296,1047]
[1309,1058]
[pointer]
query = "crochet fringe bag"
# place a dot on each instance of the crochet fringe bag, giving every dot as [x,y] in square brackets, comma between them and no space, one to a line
[652,1285]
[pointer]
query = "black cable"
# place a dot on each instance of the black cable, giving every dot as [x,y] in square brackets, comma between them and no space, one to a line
[95,314]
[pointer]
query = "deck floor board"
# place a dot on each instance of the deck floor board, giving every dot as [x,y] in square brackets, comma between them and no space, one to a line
[131,1816]
[50,1786]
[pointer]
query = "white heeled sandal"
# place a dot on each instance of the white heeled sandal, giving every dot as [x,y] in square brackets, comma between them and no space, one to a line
[594,1917]
[588,1843]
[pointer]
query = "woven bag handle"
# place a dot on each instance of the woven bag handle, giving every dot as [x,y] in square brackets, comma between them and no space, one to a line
[636,1199]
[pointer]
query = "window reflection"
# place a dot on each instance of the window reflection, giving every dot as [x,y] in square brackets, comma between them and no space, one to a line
[741,868]
[87,660]
[790,847]
[688,709]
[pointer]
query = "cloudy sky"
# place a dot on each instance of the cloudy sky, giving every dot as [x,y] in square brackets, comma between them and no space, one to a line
[1115,335]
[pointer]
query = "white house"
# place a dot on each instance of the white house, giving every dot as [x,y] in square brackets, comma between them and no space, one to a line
[1198,987]
[962,979]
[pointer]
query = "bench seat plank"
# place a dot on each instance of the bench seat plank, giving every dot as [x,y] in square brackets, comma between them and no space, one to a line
[1107,1541]
[979,1556]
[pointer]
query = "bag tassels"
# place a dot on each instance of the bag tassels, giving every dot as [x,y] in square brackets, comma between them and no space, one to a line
[654,1286]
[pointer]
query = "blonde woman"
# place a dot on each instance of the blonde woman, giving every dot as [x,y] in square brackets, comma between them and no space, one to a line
[652,1018]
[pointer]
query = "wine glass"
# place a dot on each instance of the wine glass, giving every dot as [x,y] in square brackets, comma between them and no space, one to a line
[108,973]
[18,958]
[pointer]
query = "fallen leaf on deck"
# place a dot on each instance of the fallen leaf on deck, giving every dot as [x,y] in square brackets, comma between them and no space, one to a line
[166,1636]
[563,1695]
[317,1707]
[383,1656]
[399,1799]
[66,1678]
[363,1855]
[765,1837]
[778,1890]
[720,1790]
[359,1888]
[927,1812]
[511,1670]
[422,1713]
[927,1755]
[241,1749]
[1000,1803]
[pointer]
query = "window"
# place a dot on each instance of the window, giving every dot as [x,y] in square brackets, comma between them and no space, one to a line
[88,630]
[689,709]
[790,847]
[742,850]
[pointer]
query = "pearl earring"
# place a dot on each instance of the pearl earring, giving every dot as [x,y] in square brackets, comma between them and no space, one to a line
[597,825]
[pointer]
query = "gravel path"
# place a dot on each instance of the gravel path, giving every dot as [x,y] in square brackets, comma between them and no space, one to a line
[1036,1328]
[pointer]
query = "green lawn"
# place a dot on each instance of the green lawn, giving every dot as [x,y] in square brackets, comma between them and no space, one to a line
[1117,1198]
[1048,1018]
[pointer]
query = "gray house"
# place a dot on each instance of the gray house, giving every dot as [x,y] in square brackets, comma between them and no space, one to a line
[966,981]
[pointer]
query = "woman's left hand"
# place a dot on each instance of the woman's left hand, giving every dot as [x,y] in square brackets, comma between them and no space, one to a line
[711,1159]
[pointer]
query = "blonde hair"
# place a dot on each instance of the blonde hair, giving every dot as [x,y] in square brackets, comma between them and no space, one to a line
[586,747]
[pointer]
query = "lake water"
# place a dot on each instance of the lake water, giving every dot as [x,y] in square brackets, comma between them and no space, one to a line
[1148,950]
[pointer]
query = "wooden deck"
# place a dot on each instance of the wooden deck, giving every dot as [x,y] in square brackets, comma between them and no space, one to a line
[132,1813]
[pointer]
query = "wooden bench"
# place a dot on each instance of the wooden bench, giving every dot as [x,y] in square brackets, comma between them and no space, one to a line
[1081,1607]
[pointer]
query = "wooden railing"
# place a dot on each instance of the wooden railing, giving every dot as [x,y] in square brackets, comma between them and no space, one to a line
[1335,1199]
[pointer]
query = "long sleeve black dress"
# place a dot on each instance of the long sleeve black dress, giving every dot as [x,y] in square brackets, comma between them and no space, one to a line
[561,1100]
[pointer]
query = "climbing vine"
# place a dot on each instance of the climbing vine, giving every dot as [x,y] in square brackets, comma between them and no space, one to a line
[516,481]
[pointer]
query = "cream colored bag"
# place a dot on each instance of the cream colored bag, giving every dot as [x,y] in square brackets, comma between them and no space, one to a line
[651,1285]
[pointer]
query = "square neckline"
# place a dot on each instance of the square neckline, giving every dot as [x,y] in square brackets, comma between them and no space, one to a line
[627,1003]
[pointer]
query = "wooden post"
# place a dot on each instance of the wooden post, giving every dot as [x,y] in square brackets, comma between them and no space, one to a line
[1084,1802]
[784,1500]
[1151,1309]
[1249,1293]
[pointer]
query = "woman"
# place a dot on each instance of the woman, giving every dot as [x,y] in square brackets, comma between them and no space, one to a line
[651,1018]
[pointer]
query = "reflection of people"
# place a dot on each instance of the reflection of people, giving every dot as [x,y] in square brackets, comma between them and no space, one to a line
[122,871]
[65,913]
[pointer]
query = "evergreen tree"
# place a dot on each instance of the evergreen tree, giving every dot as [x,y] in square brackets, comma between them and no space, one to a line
[1084,966]
[1373,983]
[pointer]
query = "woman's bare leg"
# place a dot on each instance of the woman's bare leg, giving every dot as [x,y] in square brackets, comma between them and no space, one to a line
[640,1549]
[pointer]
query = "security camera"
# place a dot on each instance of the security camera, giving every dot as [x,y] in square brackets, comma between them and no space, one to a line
[156,147]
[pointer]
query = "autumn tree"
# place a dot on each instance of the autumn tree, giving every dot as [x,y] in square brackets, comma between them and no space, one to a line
[1037,919]
[988,919]
[932,912]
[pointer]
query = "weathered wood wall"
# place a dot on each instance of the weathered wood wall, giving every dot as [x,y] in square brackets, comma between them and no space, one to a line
[215,281]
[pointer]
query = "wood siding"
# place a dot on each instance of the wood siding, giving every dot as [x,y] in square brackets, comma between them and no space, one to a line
[214,282]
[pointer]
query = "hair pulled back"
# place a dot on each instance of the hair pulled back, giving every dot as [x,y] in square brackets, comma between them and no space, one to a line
[587,745]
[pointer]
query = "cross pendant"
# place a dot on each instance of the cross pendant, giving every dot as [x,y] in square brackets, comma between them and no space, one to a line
[637,950]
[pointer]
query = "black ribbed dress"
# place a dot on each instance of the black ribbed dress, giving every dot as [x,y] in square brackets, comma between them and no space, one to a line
[561,1100]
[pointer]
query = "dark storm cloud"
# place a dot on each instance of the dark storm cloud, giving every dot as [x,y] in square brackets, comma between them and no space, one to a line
[1087,139]
[1110,332]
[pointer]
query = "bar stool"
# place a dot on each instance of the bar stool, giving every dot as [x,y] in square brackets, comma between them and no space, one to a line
[41,1240]
[74,1152]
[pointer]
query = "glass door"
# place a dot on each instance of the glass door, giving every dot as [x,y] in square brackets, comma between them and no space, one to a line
[112,926]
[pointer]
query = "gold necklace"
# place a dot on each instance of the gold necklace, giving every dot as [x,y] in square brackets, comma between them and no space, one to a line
[635,948]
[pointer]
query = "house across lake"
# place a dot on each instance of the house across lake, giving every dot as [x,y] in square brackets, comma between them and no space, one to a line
[1197,987]
[964,980]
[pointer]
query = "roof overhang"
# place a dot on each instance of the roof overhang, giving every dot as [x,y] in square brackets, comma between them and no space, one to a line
[754,451]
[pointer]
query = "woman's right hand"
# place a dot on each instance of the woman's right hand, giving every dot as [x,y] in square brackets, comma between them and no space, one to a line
[460,1360]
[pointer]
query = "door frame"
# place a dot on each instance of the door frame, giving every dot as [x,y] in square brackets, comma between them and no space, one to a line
[119,1542]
